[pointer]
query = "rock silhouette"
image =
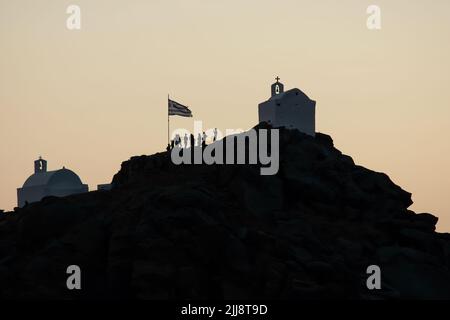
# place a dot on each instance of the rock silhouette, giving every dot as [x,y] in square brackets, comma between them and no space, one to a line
[226,232]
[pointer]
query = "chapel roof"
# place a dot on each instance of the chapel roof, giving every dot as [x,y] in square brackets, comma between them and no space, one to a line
[288,93]
[57,178]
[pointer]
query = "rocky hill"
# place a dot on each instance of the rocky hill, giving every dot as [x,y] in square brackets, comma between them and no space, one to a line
[226,232]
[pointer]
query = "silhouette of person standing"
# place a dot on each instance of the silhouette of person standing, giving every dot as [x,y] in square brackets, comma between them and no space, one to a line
[192,141]
[204,139]
[185,140]
[215,134]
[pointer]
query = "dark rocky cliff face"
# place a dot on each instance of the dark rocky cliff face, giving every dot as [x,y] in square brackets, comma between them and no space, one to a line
[199,232]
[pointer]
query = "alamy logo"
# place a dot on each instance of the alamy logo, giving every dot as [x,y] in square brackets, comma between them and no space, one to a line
[374,19]
[74,280]
[374,280]
[73,22]
[252,145]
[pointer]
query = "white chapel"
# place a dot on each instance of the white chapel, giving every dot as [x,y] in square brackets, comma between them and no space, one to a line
[291,109]
[42,183]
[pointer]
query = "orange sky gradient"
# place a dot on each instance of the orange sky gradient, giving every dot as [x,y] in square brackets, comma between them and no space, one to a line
[92,98]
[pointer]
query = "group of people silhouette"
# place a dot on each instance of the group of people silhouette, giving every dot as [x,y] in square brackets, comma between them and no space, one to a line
[190,141]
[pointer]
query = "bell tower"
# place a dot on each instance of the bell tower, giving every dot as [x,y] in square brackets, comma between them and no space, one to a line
[277,87]
[40,165]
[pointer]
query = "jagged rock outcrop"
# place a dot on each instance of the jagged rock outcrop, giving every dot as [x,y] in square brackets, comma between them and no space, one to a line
[199,232]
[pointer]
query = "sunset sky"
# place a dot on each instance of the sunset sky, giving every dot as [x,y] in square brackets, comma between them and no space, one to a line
[89,99]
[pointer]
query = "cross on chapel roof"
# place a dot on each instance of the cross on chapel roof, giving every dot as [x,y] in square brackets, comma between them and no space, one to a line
[277,87]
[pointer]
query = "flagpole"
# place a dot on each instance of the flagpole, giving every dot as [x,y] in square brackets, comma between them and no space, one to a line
[168,121]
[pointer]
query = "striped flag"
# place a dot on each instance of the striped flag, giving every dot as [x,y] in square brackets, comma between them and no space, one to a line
[177,109]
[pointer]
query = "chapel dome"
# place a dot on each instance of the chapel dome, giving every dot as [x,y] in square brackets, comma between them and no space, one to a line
[63,178]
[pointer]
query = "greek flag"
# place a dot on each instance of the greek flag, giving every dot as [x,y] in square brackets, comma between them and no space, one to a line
[177,109]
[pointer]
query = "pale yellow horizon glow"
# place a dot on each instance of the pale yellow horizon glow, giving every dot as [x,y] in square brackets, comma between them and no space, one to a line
[92,98]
